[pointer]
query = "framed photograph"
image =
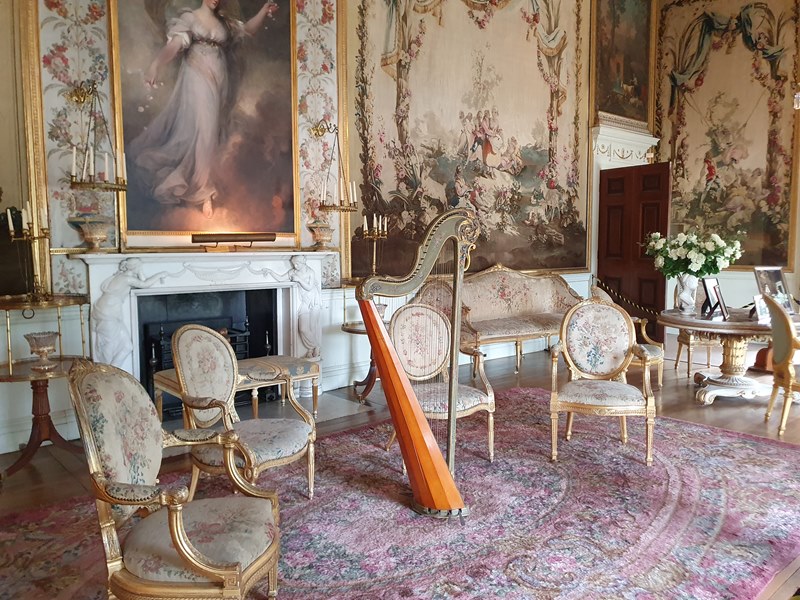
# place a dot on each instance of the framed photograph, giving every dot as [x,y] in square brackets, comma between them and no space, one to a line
[771,282]
[208,127]
[479,105]
[762,312]
[721,301]
[710,285]
[623,63]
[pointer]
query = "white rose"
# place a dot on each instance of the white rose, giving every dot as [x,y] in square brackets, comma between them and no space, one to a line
[717,240]
[659,262]
[709,246]
[680,252]
[660,243]
[722,263]
[680,238]
[673,254]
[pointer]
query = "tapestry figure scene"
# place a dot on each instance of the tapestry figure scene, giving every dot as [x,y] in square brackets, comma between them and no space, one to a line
[444,119]
[207,103]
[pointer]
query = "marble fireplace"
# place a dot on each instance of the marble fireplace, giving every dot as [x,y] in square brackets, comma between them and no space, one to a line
[118,281]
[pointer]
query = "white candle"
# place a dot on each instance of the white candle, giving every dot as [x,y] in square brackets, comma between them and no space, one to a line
[24,218]
[385,226]
[105,166]
[324,191]
[74,171]
[91,162]
[11,221]
[375,222]
[366,229]
[85,165]
[352,192]
[124,168]
[342,191]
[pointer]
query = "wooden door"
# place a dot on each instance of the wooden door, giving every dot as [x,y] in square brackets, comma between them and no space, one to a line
[634,201]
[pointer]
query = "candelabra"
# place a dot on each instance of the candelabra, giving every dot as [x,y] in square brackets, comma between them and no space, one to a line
[374,236]
[347,193]
[89,176]
[26,235]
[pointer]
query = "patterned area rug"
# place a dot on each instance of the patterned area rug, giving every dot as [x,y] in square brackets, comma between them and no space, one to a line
[718,516]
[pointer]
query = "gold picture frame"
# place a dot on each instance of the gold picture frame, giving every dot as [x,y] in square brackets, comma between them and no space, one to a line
[626,102]
[168,238]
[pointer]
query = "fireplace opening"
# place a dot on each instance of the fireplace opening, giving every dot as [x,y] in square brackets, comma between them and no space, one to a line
[248,318]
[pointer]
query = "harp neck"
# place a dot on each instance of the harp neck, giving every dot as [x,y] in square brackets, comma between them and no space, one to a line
[459,224]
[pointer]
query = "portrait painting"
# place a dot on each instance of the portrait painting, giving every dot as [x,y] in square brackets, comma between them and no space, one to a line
[730,139]
[474,104]
[207,102]
[622,58]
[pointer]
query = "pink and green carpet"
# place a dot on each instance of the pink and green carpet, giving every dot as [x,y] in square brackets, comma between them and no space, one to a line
[717,516]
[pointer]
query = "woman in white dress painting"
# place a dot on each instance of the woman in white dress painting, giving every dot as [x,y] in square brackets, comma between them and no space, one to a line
[176,152]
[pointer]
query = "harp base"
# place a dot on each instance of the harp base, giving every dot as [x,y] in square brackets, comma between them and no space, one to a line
[436,513]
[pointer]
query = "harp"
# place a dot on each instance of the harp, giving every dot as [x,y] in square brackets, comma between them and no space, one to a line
[434,490]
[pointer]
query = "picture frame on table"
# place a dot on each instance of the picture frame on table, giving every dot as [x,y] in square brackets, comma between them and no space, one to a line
[771,282]
[714,302]
[762,312]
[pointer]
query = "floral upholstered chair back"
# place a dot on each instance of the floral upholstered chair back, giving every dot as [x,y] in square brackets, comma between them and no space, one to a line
[119,426]
[597,337]
[421,337]
[783,332]
[206,367]
[437,293]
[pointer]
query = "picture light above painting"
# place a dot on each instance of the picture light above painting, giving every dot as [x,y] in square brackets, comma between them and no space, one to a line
[204,99]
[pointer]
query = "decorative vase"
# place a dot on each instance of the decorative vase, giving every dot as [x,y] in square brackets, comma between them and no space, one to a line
[321,233]
[42,343]
[687,291]
[94,233]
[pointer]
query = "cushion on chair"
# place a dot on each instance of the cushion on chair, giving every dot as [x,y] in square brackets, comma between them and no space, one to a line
[518,325]
[433,397]
[268,439]
[125,428]
[601,393]
[232,529]
[653,352]
[598,338]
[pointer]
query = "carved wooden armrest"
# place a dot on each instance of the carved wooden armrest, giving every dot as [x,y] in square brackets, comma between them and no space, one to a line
[555,350]
[198,403]
[643,354]
[117,492]
[196,437]
[642,322]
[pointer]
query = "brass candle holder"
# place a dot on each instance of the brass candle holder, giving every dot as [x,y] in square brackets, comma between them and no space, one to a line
[347,193]
[375,237]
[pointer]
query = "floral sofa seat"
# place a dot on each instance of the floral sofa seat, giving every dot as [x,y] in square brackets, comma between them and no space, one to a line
[501,305]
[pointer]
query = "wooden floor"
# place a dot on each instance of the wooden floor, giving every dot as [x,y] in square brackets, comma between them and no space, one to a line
[56,475]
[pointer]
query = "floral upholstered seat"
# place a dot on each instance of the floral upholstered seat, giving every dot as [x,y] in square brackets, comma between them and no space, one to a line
[421,336]
[208,373]
[219,546]
[785,343]
[598,343]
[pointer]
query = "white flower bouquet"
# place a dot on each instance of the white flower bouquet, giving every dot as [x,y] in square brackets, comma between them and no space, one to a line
[692,253]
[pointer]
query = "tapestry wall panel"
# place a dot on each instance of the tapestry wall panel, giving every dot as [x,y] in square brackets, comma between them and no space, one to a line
[470,103]
[724,114]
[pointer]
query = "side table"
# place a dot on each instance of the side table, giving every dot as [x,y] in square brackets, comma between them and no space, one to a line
[358,328]
[42,428]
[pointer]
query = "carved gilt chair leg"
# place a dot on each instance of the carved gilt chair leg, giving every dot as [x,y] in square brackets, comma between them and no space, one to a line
[788,397]
[193,482]
[273,581]
[771,403]
[254,399]
[661,374]
[568,432]
[491,436]
[689,352]
[553,436]
[315,395]
[649,433]
[310,470]
[160,404]
[623,429]
[678,356]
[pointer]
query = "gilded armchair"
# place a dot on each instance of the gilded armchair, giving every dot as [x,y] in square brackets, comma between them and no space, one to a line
[785,343]
[655,349]
[421,337]
[208,375]
[213,548]
[598,343]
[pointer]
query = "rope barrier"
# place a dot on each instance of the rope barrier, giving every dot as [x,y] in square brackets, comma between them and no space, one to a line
[625,300]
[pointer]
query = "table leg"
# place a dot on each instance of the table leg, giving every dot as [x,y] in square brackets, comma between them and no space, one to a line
[732,380]
[42,428]
[368,382]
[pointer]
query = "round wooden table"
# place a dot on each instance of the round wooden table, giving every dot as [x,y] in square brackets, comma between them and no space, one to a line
[734,334]
[358,328]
